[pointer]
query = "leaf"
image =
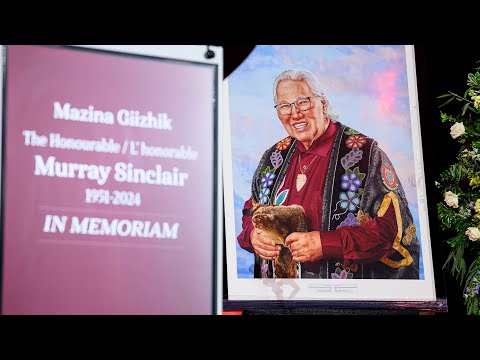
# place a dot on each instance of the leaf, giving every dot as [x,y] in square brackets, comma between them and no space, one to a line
[474,306]
[443,116]
[267,170]
[472,109]
[462,267]
[465,107]
[442,96]
[459,267]
[472,78]
[361,176]
[351,132]
[281,197]
[473,265]
[351,158]
[449,258]
[448,101]
[276,159]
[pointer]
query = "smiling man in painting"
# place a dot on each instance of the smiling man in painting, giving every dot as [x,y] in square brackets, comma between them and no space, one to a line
[359,225]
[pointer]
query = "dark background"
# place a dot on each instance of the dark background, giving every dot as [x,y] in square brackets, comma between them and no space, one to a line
[441,67]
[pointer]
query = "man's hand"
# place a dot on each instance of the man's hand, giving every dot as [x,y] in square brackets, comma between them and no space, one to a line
[305,246]
[265,248]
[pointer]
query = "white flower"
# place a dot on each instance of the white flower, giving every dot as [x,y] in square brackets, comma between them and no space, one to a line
[451,199]
[477,206]
[473,233]
[457,130]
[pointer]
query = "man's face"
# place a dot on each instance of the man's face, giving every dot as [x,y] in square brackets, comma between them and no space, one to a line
[305,126]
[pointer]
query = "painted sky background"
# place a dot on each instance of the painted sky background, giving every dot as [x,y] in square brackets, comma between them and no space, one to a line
[367,88]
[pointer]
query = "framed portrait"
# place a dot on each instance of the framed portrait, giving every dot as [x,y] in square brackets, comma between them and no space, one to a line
[103,148]
[372,95]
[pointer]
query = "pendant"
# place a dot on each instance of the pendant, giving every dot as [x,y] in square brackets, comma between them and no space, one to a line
[301,180]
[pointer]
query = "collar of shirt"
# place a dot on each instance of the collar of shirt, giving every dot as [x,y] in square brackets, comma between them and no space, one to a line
[321,146]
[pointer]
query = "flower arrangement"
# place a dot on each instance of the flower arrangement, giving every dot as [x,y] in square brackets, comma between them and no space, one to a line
[459,213]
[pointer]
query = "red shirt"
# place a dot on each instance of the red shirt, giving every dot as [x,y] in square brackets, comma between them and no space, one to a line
[361,244]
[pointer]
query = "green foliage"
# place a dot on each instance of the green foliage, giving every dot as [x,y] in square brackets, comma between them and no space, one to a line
[460,185]
[471,289]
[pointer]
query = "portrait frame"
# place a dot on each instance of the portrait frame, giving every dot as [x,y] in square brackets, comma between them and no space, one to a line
[397,66]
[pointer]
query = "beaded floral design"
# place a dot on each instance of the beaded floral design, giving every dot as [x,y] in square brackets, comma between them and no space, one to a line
[340,273]
[356,141]
[283,144]
[349,201]
[268,175]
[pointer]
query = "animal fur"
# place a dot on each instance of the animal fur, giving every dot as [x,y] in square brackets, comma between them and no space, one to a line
[276,222]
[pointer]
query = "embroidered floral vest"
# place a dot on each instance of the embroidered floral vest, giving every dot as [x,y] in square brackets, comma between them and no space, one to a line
[360,183]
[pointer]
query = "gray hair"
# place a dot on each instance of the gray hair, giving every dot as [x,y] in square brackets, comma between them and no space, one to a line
[313,84]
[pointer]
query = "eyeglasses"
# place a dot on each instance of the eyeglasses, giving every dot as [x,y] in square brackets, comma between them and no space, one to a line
[303,103]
